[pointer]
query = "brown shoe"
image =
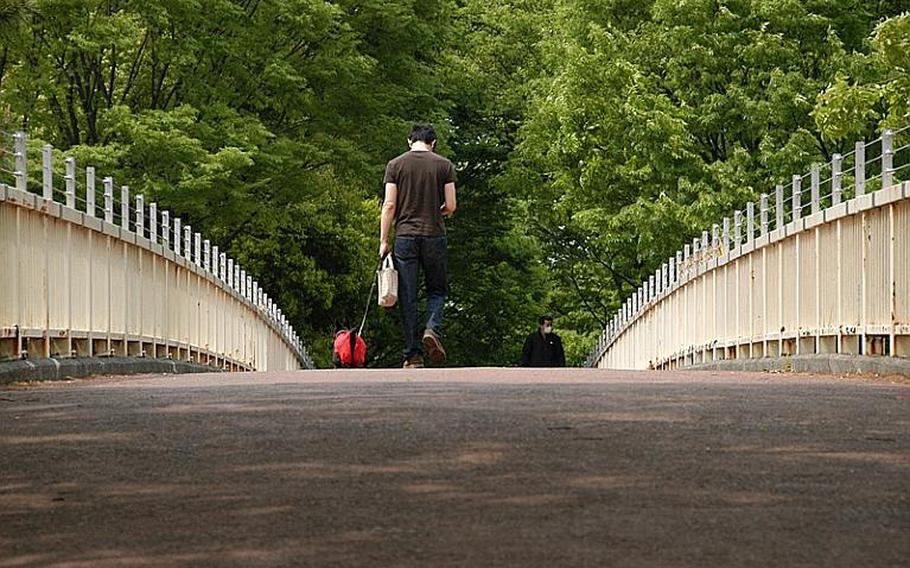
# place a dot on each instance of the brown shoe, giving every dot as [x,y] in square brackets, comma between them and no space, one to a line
[415,362]
[432,346]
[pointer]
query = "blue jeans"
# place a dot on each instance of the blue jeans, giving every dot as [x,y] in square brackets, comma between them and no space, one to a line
[430,254]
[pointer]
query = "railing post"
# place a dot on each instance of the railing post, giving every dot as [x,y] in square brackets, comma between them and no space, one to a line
[237,283]
[166,229]
[778,206]
[664,276]
[197,248]
[216,268]
[70,180]
[887,158]
[177,238]
[763,213]
[188,243]
[108,183]
[796,201]
[715,237]
[705,242]
[230,273]
[815,180]
[223,262]
[47,170]
[140,215]
[90,191]
[125,207]
[20,149]
[726,235]
[679,266]
[153,222]
[750,222]
[206,255]
[248,292]
[859,167]
[837,177]
[737,229]
[672,272]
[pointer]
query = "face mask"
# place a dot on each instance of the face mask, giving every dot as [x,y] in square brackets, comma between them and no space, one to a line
[548,329]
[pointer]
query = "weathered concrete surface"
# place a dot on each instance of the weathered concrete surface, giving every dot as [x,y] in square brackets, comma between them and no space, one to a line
[456,468]
[52,369]
[819,364]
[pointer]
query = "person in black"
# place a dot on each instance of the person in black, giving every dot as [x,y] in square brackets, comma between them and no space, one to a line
[543,348]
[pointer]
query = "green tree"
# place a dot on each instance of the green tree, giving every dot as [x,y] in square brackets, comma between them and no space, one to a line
[651,121]
[263,124]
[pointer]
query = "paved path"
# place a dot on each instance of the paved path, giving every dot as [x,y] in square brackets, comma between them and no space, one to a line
[456,468]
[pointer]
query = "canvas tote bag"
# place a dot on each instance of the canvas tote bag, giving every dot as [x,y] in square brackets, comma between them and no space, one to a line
[387,278]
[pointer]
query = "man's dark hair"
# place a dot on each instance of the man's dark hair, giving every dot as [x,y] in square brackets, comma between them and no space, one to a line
[422,133]
[543,319]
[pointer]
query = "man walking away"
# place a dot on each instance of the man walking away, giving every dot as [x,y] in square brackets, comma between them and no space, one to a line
[419,192]
[543,348]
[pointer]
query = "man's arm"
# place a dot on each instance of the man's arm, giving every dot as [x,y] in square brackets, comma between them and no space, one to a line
[451,203]
[560,353]
[387,217]
[526,353]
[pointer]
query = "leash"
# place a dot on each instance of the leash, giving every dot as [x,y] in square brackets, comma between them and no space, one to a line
[366,310]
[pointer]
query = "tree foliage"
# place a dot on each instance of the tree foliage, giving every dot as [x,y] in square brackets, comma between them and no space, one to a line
[651,120]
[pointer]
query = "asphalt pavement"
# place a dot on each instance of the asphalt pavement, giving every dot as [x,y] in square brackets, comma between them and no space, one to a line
[460,467]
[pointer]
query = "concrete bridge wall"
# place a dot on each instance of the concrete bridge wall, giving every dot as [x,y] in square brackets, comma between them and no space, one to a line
[81,285]
[837,281]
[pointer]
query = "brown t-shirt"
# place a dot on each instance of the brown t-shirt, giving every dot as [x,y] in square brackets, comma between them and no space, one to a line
[421,178]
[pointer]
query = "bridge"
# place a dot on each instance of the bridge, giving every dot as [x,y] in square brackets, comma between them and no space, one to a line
[821,267]
[454,467]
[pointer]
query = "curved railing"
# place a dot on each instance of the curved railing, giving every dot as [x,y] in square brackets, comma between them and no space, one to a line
[827,272]
[85,272]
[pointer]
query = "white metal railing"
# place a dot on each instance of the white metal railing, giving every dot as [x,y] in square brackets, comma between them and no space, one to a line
[96,205]
[862,191]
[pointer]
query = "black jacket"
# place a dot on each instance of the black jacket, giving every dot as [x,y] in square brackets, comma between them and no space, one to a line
[540,351]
